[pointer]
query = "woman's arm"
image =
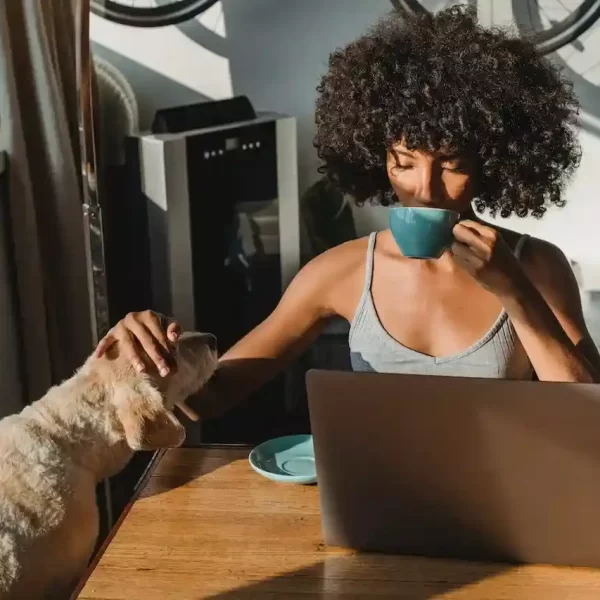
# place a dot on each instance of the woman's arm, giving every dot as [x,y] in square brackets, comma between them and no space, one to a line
[541,296]
[269,348]
[323,288]
[545,309]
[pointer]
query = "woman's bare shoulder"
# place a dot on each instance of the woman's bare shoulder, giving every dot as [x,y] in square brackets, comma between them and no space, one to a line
[550,271]
[336,276]
[538,257]
[348,255]
[546,264]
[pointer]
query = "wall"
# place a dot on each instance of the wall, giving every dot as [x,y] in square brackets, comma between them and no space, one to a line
[270,50]
[274,51]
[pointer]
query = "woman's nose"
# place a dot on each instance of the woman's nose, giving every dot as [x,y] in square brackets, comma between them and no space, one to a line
[430,185]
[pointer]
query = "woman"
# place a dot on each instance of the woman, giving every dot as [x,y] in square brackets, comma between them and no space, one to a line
[435,112]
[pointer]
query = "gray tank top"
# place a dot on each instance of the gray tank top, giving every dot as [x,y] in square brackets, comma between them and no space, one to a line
[498,354]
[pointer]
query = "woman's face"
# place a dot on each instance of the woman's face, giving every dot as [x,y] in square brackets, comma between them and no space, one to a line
[431,180]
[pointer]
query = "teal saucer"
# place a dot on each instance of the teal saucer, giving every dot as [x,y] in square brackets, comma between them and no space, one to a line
[289,459]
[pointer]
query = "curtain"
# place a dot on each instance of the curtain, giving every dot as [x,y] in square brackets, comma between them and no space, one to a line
[10,374]
[39,130]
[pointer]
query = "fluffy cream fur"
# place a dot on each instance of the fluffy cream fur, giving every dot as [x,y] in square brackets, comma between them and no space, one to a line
[56,450]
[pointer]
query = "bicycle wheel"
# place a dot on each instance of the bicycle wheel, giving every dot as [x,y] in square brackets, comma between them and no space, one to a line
[143,13]
[547,34]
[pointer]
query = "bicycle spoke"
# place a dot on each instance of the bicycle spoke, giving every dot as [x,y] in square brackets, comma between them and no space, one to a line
[542,12]
[567,10]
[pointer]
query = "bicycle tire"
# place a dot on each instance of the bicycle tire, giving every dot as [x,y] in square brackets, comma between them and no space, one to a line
[565,32]
[546,41]
[155,16]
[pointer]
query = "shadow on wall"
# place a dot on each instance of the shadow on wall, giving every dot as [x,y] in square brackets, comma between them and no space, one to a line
[149,84]
[277,52]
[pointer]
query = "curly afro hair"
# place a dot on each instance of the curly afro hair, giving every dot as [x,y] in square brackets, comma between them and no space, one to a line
[445,82]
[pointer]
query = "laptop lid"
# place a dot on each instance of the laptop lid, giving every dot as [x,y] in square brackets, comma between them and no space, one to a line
[466,468]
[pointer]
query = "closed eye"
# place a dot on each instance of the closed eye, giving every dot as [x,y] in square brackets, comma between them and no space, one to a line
[455,168]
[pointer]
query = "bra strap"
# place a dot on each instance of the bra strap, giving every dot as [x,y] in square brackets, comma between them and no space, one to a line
[370,263]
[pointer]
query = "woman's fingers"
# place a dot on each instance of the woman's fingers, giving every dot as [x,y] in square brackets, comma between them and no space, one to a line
[460,249]
[150,345]
[472,239]
[154,324]
[105,343]
[465,256]
[173,331]
[128,348]
[478,229]
[142,331]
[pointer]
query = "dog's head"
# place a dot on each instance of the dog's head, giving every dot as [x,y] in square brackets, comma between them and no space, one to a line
[144,407]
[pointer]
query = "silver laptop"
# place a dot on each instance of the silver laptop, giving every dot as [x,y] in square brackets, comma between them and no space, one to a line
[463,468]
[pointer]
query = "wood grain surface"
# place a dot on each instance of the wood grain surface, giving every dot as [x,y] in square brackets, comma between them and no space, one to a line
[207,526]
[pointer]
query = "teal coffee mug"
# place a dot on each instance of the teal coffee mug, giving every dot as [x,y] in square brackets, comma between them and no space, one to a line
[422,232]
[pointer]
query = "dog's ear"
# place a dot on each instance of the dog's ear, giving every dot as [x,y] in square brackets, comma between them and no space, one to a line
[147,423]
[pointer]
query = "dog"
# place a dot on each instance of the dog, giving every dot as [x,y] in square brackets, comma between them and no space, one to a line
[53,454]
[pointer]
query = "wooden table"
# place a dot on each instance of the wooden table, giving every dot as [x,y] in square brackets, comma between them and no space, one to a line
[206,526]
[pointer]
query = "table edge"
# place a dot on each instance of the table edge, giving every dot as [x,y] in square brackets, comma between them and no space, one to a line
[141,484]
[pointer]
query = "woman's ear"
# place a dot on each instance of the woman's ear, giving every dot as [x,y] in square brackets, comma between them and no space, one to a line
[148,425]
